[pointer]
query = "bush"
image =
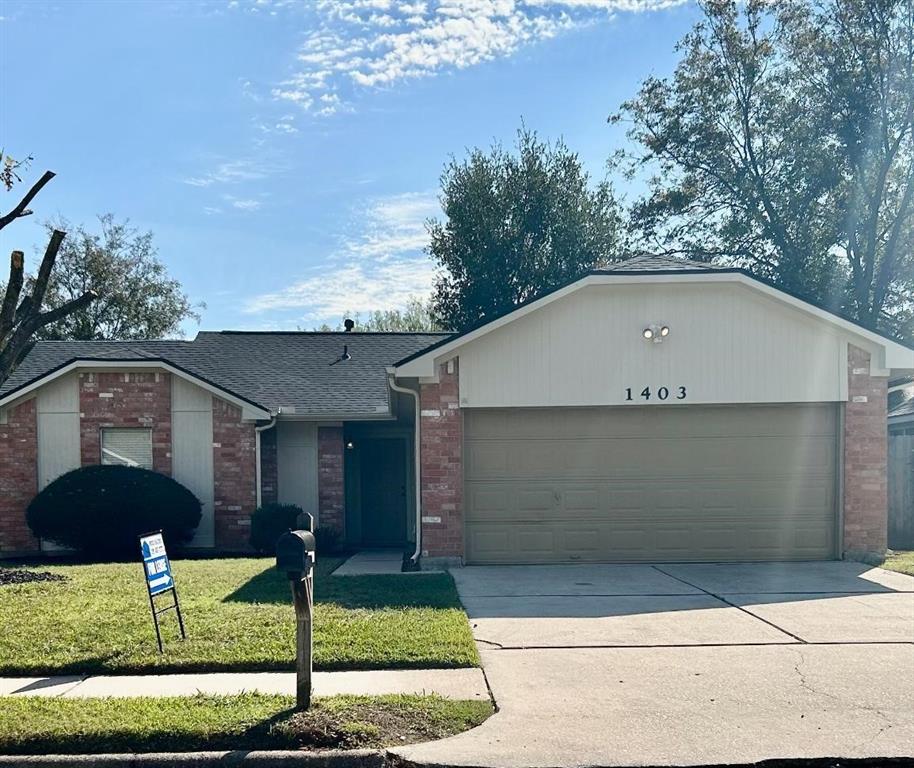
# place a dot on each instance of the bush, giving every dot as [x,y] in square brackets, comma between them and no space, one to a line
[102,510]
[327,540]
[269,522]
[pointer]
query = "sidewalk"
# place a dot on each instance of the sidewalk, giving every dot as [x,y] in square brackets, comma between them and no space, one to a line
[451,683]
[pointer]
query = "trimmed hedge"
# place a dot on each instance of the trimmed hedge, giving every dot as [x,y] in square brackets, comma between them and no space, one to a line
[269,522]
[101,510]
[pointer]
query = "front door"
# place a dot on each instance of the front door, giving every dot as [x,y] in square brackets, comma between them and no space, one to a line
[383,481]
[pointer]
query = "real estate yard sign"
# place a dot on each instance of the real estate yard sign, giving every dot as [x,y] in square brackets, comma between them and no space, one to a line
[159,579]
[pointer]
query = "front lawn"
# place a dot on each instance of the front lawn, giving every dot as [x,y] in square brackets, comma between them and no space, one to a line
[38,725]
[903,562]
[239,616]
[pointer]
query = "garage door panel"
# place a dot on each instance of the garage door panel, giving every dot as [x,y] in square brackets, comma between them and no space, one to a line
[701,483]
[738,457]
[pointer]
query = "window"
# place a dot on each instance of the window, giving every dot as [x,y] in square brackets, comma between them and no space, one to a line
[128,447]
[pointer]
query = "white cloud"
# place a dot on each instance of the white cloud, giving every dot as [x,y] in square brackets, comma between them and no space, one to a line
[355,287]
[359,44]
[379,266]
[230,172]
[395,225]
[247,205]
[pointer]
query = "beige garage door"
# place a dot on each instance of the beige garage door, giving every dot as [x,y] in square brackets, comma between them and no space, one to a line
[650,484]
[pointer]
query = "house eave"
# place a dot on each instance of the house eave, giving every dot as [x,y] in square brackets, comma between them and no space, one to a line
[251,411]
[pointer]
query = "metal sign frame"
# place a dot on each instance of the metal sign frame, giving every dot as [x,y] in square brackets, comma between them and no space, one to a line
[159,580]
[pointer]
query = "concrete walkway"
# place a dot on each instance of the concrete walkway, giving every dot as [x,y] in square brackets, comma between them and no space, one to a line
[613,665]
[373,562]
[451,683]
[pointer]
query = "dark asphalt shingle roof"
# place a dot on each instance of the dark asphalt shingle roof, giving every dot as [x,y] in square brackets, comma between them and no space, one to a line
[649,263]
[904,408]
[272,370]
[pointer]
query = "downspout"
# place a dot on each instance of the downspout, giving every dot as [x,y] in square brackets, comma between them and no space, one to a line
[257,470]
[416,461]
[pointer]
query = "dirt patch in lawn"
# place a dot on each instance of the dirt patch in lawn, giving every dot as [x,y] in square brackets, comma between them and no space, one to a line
[375,724]
[35,725]
[22,576]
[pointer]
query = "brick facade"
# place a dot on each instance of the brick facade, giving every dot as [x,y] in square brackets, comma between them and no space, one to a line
[330,480]
[125,400]
[441,473]
[865,455]
[269,467]
[18,476]
[234,480]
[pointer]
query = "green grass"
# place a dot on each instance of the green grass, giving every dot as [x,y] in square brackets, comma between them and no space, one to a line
[903,562]
[239,616]
[39,725]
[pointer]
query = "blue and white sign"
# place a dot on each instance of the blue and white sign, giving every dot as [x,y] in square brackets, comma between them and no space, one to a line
[155,561]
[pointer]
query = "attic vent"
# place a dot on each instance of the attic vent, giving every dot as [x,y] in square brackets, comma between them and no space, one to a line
[344,356]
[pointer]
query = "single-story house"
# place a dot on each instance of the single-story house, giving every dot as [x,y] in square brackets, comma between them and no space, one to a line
[657,410]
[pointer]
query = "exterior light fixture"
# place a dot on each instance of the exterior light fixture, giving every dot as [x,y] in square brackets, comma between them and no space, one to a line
[656,333]
[350,445]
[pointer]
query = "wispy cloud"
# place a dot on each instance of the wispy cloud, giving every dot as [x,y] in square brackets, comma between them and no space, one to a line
[247,205]
[230,172]
[380,265]
[364,44]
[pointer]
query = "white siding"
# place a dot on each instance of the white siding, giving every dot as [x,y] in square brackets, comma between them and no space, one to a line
[727,344]
[192,450]
[58,433]
[296,444]
[58,429]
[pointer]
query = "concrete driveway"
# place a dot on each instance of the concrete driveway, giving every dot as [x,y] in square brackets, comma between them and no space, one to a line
[625,665]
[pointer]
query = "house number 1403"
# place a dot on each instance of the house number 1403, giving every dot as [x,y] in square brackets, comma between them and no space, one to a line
[662,393]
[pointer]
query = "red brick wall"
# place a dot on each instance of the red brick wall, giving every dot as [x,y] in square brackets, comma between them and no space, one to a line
[234,454]
[269,467]
[441,476]
[18,476]
[124,400]
[330,483]
[865,455]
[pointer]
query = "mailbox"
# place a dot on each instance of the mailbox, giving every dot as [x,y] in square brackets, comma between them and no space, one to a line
[295,553]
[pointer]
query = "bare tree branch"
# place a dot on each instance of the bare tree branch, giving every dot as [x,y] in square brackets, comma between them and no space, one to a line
[18,328]
[21,208]
[11,296]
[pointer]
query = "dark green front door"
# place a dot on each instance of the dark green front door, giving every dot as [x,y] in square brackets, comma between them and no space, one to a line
[383,481]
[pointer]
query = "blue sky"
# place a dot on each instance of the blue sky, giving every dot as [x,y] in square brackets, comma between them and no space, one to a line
[286,153]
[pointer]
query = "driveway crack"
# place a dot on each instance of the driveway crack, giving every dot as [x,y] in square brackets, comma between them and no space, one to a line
[731,604]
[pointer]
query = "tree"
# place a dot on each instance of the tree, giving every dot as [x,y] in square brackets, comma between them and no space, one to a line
[136,297]
[415,317]
[10,168]
[22,317]
[516,225]
[784,143]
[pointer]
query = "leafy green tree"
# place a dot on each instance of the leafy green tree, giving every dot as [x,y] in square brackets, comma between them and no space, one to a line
[784,143]
[136,298]
[516,224]
[415,317]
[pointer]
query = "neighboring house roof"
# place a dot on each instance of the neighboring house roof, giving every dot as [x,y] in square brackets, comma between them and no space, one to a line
[648,266]
[904,409]
[648,263]
[288,371]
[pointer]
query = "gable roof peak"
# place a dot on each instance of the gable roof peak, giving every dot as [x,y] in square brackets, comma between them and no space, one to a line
[646,262]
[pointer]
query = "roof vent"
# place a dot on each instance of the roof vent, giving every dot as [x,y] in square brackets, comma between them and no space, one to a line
[344,356]
[348,324]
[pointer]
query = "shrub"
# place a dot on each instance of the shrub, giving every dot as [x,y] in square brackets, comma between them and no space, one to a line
[327,540]
[269,522]
[102,510]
